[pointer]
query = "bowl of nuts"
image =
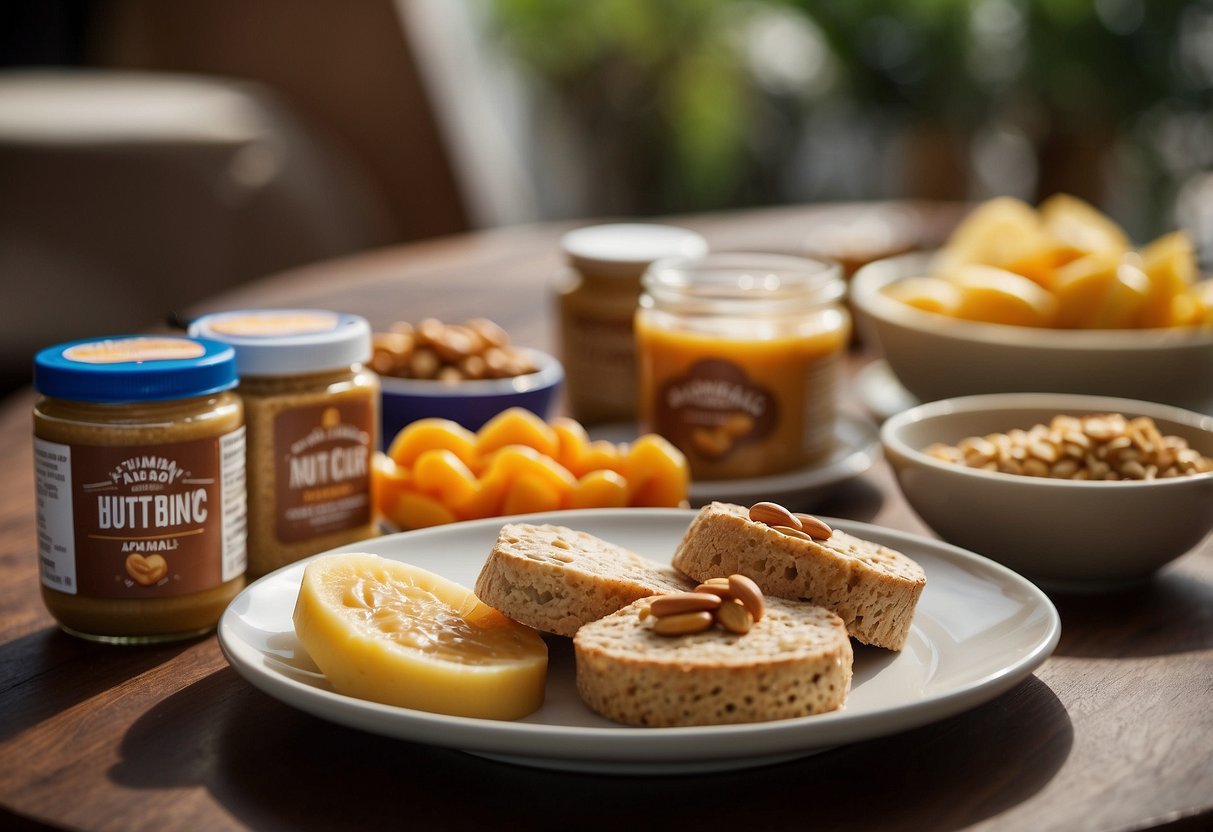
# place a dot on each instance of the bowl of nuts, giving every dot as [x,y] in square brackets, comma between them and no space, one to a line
[1074,492]
[466,372]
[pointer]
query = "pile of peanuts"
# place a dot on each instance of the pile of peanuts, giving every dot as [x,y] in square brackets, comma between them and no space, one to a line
[1105,446]
[735,603]
[472,350]
[792,524]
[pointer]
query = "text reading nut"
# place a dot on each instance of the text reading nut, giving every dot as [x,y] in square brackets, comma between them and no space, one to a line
[814,527]
[773,514]
[679,602]
[747,592]
[683,624]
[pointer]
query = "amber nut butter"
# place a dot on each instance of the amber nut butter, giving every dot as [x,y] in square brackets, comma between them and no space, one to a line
[312,411]
[597,294]
[139,477]
[739,358]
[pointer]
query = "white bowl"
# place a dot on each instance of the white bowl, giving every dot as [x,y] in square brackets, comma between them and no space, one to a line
[1063,534]
[938,357]
[470,403]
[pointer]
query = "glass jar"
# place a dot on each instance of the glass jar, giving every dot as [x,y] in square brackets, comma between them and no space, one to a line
[139,472]
[739,359]
[597,295]
[312,411]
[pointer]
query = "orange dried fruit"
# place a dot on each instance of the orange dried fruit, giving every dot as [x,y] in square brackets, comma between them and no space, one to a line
[429,434]
[441,474]
[657,472]
[603,488]
[516,426]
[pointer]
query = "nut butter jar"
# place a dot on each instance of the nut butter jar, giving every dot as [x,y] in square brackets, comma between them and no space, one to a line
[739,360]
[596,297]
[139,472]
[312,411]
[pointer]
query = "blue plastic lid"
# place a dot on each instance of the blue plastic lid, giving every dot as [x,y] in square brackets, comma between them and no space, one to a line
[134,368]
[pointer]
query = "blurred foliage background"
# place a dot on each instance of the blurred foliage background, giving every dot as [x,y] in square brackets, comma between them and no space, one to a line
[681,105]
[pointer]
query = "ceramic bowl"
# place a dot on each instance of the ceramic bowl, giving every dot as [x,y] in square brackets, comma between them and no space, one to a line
[470,403]
[1064,534]
[938,357]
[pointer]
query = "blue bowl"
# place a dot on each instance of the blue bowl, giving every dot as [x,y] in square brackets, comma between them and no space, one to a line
[470,403]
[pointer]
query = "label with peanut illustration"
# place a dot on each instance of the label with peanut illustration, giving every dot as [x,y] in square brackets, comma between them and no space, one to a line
[714,409]
[322,478]
[141,521]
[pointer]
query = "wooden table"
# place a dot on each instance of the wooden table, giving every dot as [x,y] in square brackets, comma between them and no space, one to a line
[1114,732]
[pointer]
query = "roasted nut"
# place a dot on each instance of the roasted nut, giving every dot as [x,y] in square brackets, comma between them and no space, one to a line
[716,586]
[814,527]
[791,532]
[1093,447]
[734,617]
[683,624]
[679,602]
[748,594]
[773,514]
[475,349]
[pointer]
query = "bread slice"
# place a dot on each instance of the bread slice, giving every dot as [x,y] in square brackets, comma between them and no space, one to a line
[556,579]
[873,589]
[794,662]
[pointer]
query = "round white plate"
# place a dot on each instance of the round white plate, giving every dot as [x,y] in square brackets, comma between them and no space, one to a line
[880,391]
[979,629]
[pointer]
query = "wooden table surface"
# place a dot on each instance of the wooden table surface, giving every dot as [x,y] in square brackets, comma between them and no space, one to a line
[1113,732]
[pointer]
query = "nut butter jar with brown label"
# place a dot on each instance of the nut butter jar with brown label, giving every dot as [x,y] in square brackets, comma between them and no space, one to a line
[312,411]
[140,487]
[596,297]
[740,360]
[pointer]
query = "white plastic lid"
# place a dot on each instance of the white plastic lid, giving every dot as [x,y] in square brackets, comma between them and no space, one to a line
[274,342]
[627,249]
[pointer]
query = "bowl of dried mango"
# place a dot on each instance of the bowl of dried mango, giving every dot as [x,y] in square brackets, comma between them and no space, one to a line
[1052,298]
[436,471]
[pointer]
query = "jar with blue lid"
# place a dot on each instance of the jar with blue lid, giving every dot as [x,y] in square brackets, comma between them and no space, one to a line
[140,485]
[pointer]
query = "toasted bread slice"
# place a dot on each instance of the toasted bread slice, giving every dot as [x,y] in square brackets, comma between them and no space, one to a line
[794,662]
[873,588]
[556,579]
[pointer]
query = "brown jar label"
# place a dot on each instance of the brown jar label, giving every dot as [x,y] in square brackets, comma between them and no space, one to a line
[137,522]
[713,409]
[322,480]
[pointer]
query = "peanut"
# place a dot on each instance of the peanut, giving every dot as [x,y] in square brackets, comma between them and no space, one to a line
[475,349]
[683,624]
[734,617]
[679,602]
[773,514]
[1092,447]
[747,592]
[814,527]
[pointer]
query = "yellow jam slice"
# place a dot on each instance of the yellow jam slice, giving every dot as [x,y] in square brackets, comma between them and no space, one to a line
[393,633]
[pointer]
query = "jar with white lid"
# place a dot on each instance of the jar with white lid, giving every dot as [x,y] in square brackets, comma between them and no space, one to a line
[312,411]
[596,297]
[740,360]
[139,476]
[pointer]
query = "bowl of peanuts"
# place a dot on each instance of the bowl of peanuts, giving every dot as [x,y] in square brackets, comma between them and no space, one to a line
[1052,298]
[1075,492]
[467,372]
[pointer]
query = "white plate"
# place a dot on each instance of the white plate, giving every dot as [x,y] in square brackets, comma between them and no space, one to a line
[856,449]
[979,629]
[880,391]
